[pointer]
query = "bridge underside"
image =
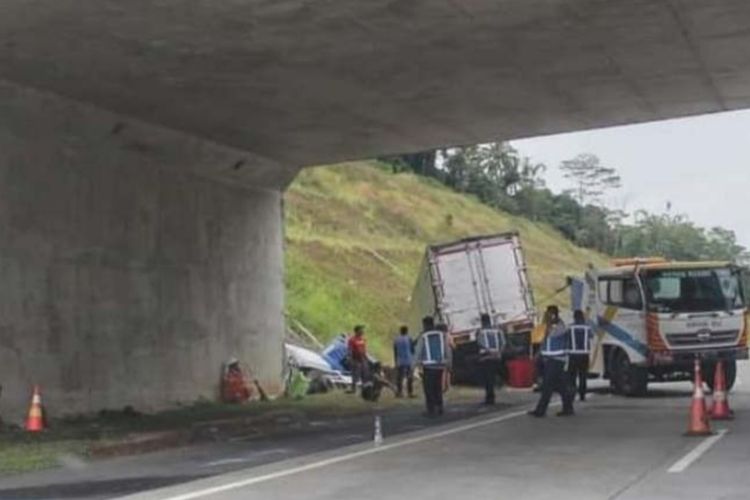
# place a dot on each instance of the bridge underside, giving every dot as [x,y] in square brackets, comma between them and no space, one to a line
[306,82]
[144,146]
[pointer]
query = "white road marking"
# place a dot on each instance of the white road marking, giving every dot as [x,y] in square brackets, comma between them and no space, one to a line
[344,458]
[696,452]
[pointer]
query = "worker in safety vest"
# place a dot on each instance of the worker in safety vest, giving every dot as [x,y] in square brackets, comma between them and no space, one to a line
[550,321]
[491,342]
[579,340]
[554,356]
[433,354]
[403,358]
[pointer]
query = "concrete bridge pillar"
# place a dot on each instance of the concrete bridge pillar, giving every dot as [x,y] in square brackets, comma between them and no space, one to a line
[134,259]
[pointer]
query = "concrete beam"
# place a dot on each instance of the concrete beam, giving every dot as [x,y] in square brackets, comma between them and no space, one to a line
[134,260]
[308,82]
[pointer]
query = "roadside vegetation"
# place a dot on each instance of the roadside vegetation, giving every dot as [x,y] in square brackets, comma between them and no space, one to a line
[500,177]
[356,233]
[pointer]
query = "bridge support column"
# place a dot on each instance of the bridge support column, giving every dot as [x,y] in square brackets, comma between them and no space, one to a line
[134,260]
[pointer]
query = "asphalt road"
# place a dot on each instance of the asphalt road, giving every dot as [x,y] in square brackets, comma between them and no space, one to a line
[105,479]
[613,448]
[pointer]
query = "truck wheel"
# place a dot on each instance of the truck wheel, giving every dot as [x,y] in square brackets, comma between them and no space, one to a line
[612,372]
[730,374]
[613,384]
[631,380]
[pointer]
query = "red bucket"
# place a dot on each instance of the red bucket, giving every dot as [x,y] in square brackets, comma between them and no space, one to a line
[520,372]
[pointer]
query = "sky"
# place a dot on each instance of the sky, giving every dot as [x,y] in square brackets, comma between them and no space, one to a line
[701,165]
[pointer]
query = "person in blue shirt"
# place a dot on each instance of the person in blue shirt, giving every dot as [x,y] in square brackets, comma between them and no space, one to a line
[579,334]
[554,357]
[491,342]
[403,359]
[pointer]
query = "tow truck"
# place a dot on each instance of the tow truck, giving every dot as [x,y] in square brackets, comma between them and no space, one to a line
[653,317]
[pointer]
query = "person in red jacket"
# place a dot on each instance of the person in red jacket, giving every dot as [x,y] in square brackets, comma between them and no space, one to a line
[234,387]
[357,349]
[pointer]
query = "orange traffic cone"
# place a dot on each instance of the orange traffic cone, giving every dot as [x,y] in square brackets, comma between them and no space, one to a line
[699,424]
[34,422]
[720,407]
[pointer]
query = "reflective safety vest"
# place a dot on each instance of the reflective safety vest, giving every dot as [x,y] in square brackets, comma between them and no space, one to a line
[433,350]
[555,343]
[579,339]
[490,340]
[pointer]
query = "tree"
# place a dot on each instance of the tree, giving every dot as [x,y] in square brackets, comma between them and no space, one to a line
[722,245]
[500,177]
[590,177]
[676,237]
[422,163]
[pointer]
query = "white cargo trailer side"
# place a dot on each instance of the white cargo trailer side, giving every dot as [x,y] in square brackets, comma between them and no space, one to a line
[461,280]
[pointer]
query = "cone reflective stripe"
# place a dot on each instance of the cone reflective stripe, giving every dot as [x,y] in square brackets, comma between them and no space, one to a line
[34,422]
[699,424]
[720,407]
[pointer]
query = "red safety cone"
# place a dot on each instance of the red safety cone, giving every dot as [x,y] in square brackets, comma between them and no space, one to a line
[35,420]
[699,424]
[720,406]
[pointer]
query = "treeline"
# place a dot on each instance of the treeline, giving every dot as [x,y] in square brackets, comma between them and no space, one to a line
[500,177]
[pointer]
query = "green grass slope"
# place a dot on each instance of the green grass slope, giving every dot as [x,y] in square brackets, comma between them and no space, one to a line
[356,233]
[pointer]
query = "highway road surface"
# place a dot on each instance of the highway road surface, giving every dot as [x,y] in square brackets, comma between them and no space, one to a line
[614,448]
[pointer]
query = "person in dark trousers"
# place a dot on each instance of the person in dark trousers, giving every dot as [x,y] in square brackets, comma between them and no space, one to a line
[579,335]
[434,355]
[551,320]
[403,359]
[357,354]
[554,355]
[491,342]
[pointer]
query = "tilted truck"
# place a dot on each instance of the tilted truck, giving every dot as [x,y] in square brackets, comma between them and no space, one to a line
[653,317]
[461,280]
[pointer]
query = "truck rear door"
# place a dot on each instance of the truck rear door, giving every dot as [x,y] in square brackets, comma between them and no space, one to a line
[483,275]
[506,284]
[458,283]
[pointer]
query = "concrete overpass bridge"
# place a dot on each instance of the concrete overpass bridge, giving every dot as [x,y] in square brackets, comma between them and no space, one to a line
[144,147]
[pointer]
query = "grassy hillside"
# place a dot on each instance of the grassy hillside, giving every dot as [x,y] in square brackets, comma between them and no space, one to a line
[355,235]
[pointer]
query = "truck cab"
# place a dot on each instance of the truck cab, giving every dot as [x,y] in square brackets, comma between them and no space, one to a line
[653,317]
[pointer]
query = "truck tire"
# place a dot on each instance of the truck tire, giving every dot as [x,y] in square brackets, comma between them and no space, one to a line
[630,380]
[730,374]
[611,370]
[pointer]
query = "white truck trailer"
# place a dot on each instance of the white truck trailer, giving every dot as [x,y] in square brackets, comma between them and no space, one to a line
[461,280]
